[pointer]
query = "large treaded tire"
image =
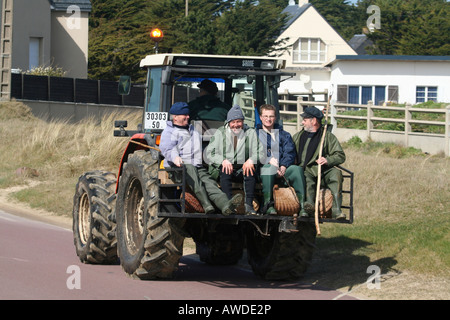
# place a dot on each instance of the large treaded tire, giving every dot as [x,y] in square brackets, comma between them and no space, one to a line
[149,247]
[281,256]
[94,224]
[224,246]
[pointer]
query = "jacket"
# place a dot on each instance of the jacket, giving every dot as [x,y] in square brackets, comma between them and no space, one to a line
[332,151]
[208,107]
[221,147]
[284,149]
[185,143]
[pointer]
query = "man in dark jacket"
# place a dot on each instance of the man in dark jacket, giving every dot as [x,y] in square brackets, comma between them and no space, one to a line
[208,106]
[281,157]
[307,143]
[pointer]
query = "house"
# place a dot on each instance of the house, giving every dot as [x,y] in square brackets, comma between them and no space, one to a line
[46,33]
[381,78]
[311,43]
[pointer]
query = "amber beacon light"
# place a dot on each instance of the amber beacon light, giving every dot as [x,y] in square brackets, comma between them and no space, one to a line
[156,34]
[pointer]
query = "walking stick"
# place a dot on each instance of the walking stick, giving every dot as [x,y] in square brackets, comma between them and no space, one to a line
[319,170]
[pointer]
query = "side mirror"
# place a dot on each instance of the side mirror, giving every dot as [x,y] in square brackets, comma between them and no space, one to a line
[124,85]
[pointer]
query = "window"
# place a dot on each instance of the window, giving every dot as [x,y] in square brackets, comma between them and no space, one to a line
[355,94]
[380,95]
[424,94]
[309,50]
[366,95]
[34,53]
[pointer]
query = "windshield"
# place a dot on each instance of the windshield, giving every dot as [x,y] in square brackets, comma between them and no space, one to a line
[247,91]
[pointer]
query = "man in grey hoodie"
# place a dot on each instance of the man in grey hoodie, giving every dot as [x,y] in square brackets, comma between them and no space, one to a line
[182,145]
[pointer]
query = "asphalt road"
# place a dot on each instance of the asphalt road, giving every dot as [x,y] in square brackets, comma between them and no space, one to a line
[38,261]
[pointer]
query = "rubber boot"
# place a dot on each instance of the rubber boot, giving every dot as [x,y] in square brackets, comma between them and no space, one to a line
[336,212]
[309,205]
[302,213]
[268,204]
[249,209]
[232,204]
[204,201]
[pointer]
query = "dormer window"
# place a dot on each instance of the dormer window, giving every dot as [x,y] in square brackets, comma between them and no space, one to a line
[309,50]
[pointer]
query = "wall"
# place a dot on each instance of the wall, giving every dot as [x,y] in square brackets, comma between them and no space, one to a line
[74,112]
[27,15]
[74,32]
[429,144]
[312,25]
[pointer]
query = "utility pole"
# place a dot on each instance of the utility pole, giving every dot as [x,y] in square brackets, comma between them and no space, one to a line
[6,49]
[187,8]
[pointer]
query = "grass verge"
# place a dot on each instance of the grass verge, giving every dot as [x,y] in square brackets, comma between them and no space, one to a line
[402,196]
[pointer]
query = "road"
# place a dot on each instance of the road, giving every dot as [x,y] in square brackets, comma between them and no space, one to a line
[38,261]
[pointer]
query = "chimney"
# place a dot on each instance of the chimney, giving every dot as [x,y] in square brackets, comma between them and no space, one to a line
[302,2]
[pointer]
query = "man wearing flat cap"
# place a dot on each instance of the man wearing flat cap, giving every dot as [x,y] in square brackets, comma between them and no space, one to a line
[307,143]
[207,106]
[182,145]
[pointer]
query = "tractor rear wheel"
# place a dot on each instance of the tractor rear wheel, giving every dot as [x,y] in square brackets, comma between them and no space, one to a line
[281,255]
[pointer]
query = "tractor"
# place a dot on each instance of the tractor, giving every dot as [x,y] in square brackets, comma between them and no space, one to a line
[141,217]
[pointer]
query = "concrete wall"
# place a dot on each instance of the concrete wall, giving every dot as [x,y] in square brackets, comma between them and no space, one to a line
[73,30]
[75,112]
[27,16]
[432,144]
[312,25]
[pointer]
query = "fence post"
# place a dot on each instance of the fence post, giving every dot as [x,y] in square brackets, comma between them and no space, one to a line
[299,112]
[369,120]
[332,114]
[447,131]
[408,117]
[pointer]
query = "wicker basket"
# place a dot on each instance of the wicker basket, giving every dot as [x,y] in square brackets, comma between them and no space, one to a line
[285,201]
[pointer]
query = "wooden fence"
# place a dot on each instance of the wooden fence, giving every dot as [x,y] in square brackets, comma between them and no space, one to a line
[409,138]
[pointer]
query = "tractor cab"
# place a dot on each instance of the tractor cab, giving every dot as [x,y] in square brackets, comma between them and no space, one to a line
[246,81]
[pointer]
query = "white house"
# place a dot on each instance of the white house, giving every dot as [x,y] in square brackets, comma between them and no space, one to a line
[311,43]
[379,78]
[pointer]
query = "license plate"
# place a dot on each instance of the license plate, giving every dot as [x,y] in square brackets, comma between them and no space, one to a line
[156,120]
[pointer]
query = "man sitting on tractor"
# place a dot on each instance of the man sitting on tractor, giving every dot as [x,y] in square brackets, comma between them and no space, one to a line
[233,153]
[281,157]
[308,142]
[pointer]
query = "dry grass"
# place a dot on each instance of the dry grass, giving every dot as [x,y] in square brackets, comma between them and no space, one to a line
[60,151]
[402,201]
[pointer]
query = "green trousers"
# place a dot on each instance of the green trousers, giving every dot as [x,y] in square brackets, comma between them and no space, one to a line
[294,175]
[331,178]
[200,181]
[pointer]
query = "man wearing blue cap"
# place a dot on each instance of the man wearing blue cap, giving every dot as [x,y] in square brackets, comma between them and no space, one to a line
[182,145]
[307,143]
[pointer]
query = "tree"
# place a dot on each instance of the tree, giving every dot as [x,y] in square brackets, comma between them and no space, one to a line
[118,39]
[250,28]
[411,27]
[342,16]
